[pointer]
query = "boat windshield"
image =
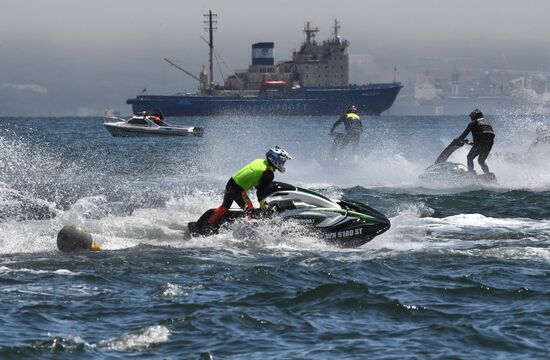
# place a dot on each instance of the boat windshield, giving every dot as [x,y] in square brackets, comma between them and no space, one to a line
[137,121]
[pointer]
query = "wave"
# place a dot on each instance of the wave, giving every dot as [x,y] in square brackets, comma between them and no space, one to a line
[138,340]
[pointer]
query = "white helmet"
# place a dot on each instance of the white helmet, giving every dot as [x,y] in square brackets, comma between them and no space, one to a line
[278,157]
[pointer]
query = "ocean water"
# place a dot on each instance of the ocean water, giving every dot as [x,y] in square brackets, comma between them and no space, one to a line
[463,272]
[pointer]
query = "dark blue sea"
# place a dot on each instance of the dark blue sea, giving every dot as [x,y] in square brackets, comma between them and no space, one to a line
[463,273]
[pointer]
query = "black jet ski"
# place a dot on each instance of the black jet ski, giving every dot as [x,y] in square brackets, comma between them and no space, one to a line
[341,222]
[451,172]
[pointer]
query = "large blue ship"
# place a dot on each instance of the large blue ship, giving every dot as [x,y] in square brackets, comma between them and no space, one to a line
[314,82]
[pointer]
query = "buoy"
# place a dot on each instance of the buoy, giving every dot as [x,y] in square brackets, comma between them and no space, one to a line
[74,238]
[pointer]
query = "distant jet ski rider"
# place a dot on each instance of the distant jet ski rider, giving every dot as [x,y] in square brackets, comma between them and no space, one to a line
[543,137]
[258,174]
[483,136]
[353,126]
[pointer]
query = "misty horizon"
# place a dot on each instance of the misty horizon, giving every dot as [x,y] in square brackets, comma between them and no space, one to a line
[99,54]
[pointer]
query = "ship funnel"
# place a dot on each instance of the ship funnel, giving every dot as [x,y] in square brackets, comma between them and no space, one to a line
[262,53]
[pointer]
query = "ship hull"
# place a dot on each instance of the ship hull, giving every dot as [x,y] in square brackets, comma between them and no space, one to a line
[372,99]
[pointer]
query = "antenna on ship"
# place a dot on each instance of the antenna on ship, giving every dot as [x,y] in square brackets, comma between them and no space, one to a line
[211,23]
[336,28]
[310,33]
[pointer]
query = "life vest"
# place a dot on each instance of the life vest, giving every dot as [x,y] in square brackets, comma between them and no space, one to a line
[482,128]
[353,123]
[249,176]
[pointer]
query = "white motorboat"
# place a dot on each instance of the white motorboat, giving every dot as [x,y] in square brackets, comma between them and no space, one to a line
[148,125]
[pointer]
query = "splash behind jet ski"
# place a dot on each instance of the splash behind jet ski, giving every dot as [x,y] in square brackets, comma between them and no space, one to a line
[341,222]
[443,171]
[537,152]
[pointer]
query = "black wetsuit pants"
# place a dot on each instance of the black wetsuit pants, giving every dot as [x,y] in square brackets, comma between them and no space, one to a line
[481,148]
[233,192]
[342,140]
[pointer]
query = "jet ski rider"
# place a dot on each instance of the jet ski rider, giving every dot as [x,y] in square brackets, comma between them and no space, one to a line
[353,126]
[543,137]
[483,136]
[258,174]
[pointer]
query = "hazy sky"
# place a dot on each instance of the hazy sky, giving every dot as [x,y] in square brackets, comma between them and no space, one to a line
[80,56]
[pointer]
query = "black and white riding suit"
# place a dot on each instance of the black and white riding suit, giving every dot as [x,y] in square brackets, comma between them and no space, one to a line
[483,136]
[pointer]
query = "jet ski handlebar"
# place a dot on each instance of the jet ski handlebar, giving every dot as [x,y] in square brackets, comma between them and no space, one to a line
[452,147]
[460,142]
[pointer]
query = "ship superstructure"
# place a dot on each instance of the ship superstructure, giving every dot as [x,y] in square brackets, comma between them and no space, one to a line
[314,65]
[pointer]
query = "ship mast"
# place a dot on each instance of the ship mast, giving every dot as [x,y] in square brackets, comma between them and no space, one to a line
[310,33]
[336,27]
[211,23]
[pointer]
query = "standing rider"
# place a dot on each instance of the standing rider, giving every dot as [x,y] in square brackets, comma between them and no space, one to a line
[258,174]
[483,136]
[353,126]
[543,137]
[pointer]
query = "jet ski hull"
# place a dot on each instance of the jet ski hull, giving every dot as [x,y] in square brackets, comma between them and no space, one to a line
[451,173]
[342,223]
[455,174]
[356,230]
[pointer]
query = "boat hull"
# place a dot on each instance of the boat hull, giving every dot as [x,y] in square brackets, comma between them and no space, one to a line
[370,99]
[126,131]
